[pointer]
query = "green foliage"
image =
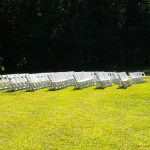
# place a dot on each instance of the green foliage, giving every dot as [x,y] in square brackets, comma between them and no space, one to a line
[70,119]
[22,63]
[2,68]
[99,32]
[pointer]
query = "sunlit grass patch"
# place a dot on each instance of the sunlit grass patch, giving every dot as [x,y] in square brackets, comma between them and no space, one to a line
[76,119]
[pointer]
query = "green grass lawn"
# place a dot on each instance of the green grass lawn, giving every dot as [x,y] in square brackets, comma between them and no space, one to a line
[67,119]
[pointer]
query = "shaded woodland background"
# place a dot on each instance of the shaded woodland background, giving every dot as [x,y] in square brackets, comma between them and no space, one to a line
[59,35]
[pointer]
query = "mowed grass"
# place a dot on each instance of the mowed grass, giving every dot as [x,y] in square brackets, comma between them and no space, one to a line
[67,119]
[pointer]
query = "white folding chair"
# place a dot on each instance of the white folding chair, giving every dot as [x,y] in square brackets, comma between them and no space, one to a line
[103,80]
[125,80]
[4,82]
[82,80]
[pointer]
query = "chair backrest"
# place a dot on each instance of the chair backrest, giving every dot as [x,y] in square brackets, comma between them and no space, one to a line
[103,76]
[123,76]
[115,74]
